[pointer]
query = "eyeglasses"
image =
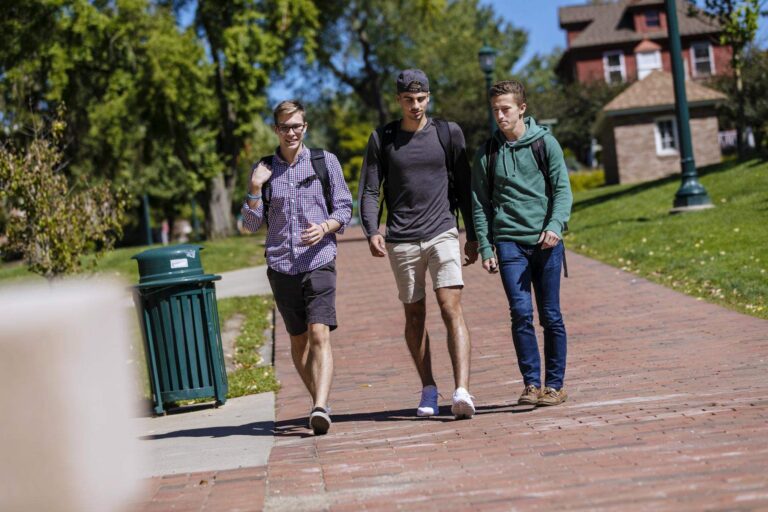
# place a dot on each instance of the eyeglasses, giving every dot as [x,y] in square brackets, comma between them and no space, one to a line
[285,129]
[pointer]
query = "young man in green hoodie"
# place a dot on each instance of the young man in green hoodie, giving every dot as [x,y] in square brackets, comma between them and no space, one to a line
[520,208]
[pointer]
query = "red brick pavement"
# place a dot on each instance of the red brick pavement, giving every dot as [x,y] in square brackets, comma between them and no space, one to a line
[667,408]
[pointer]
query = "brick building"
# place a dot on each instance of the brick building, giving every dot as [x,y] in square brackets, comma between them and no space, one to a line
[625,41]
[638,130]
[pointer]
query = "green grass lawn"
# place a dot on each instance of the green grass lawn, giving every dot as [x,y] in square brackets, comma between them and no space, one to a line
[719,255]
[217,256]
[249,378]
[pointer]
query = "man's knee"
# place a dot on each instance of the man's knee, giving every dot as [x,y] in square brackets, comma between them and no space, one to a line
[550,318]
[319,334]
[521,311]
[451,309]
[415,311]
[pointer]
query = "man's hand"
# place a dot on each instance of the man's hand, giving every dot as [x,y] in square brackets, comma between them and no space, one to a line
[548,239]
[260,175]
[491,266]
[377,246]
[313,234]
[470,252]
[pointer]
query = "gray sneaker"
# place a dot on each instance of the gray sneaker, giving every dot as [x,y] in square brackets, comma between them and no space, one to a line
[428,404]
[319,421]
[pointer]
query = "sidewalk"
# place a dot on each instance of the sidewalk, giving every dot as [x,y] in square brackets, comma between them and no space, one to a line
[667,409]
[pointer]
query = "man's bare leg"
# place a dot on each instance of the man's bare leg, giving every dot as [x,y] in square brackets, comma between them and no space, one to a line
[320,363]
[300,356]
[459,345]
[417,339]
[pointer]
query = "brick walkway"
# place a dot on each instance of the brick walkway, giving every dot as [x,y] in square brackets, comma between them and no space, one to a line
[667,409]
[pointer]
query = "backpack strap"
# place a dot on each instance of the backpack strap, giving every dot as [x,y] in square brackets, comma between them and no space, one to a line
[384,136]
[266,191]
[446,142]
[491,152]
[317,156]
[542,162]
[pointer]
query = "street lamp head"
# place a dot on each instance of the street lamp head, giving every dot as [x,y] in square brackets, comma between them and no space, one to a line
[487,58]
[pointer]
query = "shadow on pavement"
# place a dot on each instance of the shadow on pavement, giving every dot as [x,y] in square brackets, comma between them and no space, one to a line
[259,428]
[298,426]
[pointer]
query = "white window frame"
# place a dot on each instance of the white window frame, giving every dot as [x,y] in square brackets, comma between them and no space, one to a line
[660,149]
[694,71]
[622,65]
[658,63]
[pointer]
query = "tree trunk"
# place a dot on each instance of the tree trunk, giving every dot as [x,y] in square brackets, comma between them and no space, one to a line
[220,223]
[740,113]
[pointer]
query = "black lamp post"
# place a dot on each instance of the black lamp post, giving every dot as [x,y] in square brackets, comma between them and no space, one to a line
[487,58]
[691,195]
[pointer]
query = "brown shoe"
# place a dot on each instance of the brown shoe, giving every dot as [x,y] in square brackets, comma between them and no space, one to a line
[552,396]
[530,395]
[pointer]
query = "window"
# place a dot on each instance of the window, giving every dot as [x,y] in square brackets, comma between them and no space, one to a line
[652,19]
[647,62]
[665,132]
[702,63]
[613,67]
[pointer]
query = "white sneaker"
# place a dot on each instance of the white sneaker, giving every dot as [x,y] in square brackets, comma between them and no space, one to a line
[462,407]
[428,405]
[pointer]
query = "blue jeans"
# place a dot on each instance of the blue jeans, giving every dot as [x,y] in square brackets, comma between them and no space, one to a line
[520,266]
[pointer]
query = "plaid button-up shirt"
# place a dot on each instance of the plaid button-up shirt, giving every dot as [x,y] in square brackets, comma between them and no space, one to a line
[295,200]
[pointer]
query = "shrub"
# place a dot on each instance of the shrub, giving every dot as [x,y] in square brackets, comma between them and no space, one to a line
[585,180]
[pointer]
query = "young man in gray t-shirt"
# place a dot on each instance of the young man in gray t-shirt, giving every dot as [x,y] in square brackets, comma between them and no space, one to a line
[410,159]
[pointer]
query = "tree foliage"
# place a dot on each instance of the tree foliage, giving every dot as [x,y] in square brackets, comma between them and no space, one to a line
[135,88]
[738,20]
[52,222]
[574,107]
[246,41]
[755,80]
[362,45]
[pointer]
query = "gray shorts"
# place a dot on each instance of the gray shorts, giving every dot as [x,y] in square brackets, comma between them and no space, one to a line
[411,260]
[305,298]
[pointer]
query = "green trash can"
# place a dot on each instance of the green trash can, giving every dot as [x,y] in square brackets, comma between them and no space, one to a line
[180,325]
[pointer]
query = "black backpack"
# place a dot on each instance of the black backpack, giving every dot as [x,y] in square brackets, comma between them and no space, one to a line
[386,136]
[317,157]
[542,162]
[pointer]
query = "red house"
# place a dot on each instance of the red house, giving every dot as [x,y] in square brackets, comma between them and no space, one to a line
[625,41]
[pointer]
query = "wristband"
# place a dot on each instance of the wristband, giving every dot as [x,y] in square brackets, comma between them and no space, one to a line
[253,197]
[327,228]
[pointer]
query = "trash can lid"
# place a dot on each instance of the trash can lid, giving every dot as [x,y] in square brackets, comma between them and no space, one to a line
[168,264]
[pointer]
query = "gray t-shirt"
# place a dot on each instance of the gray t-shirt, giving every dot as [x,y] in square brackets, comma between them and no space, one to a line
[416,187]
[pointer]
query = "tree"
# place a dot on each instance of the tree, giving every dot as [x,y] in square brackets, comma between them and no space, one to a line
[136,91]
[755,80]
[246,41]
[51,222]
[738,19]
[575,106]
[362,44]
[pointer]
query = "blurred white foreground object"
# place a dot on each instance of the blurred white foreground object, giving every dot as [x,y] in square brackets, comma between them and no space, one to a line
[68,398]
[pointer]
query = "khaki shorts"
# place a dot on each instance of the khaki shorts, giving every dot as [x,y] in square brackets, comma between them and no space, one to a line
[410,261]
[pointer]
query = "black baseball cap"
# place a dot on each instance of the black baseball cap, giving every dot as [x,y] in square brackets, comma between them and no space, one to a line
[412,80]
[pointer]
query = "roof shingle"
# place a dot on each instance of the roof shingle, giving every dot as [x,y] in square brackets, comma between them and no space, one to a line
[657,91]
[606,29]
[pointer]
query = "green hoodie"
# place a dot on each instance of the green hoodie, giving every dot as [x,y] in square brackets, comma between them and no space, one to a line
[518,210]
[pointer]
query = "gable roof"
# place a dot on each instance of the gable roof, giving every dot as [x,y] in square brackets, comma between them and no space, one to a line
[606,28]
[656,92]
